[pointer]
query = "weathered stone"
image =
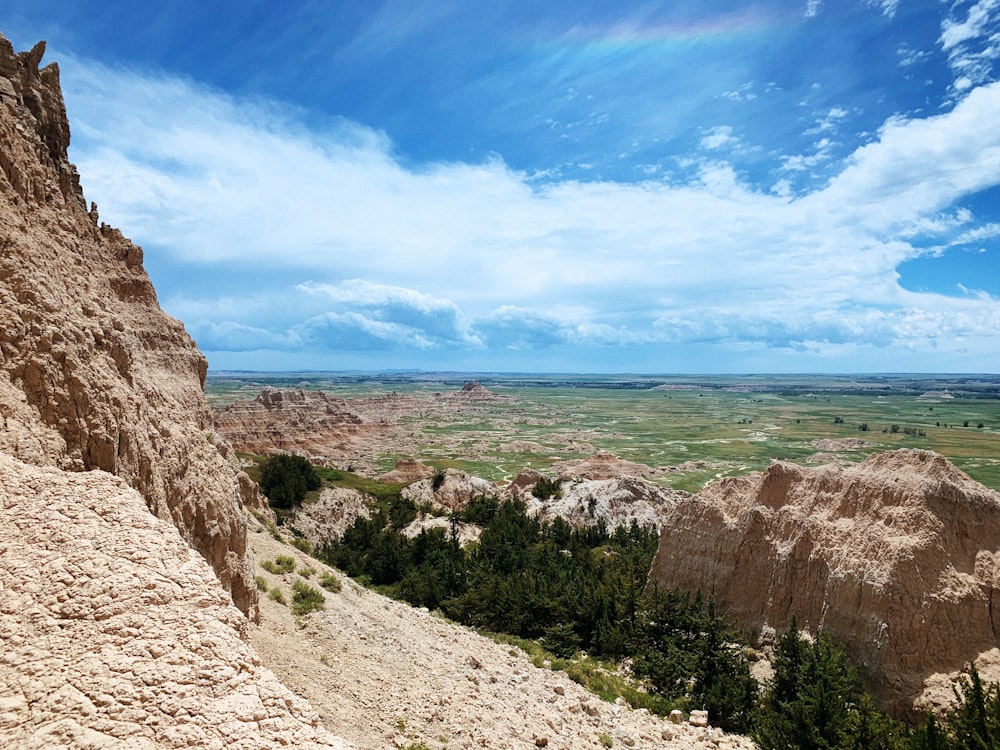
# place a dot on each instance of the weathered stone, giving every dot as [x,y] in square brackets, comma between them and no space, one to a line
[91,660]
[93,375]
[880,556]
[698,718]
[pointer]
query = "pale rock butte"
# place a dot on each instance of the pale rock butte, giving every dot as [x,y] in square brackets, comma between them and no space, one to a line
[120,514]
[896,558]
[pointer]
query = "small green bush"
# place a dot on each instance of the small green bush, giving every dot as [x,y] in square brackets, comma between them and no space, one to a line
[302,545]
[276,595]
[261,583]
[546,488]
[305,598]
[285,479]
[282,564]
[330,582]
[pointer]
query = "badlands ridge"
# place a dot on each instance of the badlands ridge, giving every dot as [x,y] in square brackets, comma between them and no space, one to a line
[129,611]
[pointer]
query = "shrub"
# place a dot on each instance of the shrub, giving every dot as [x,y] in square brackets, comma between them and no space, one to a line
[285,479]
[561,640]
[306,599]
[546,488]
[282,564]
[261,583]
[276,595]
[438,480]
[330,582]
[302,545]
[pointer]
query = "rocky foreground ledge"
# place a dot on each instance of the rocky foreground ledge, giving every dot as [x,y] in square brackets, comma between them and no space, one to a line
[116,633]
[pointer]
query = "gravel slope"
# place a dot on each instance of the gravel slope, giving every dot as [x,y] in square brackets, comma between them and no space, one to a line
[382,674]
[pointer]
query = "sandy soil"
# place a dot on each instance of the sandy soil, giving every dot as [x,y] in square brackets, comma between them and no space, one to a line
[382,674]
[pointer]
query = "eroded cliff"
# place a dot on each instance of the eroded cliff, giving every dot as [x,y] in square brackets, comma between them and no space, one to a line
[93,375]
[896,558]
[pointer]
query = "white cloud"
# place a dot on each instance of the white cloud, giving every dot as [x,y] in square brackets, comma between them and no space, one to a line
[719,137]
[813,8]
[972,43]
[481,258]
[744,93]
[954,33]
[802,162]
[828,122]
[888,7]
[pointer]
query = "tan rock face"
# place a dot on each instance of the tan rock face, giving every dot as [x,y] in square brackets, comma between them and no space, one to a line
[454,491]
[897,558]
[93,375]
[115,632]
[615,501]
[295,421]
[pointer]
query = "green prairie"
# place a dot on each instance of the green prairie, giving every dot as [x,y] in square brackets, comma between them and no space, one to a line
[704,426]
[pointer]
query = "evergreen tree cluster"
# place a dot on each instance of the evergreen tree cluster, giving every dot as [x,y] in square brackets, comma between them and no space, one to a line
[584,589]
[285,478]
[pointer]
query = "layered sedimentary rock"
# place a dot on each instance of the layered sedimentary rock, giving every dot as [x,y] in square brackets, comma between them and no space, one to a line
[295,421]
[898,558]
[116,633]
[93,375]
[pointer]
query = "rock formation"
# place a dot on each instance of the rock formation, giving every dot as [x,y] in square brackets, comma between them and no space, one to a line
[285,420]
[408,470]
[93,375]
[615,502]
[600,465]
[897,558]
[452,491]
[116,633]
[334,511]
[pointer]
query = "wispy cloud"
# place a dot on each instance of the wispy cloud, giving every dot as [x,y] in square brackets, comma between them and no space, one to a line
[719,137]
[888,7]
[972,41]
[378,256]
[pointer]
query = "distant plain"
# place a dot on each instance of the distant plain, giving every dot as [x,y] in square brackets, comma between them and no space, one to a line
[706,426]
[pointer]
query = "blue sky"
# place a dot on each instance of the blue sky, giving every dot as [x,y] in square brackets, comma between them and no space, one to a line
[772,186]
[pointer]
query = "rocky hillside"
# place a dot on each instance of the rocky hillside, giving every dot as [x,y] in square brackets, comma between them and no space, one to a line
[897,558]
[386,675]
[116,633]
[293,420]
[93,375]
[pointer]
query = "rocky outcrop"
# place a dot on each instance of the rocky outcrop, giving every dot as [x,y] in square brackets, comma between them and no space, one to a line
[473,391]
[898,558]
[93,375]
[408,470]
[116,633]
[334,511]
[600,465]
[311,423]
[450,491]
[614,502]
